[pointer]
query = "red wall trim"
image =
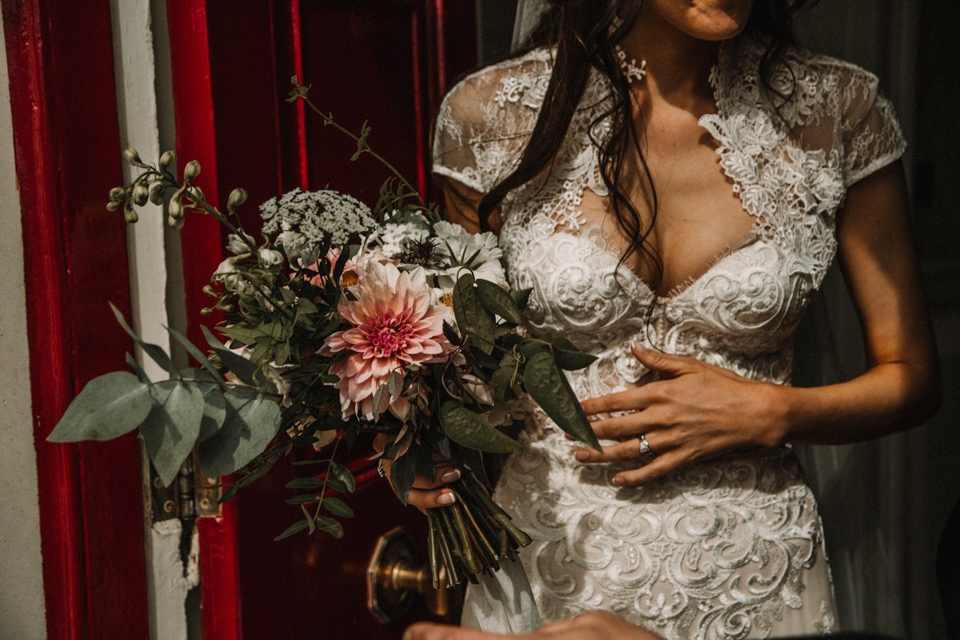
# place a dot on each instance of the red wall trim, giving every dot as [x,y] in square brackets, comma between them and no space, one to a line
[67,155]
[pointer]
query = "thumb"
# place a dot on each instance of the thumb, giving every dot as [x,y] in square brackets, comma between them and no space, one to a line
[659,361]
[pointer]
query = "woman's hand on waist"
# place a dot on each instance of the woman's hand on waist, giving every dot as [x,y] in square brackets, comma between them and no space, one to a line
[699,411]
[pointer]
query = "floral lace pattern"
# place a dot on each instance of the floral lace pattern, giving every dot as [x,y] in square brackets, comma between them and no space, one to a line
[731,547]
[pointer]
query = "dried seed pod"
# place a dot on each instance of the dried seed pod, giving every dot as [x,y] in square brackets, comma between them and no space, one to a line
[237,198]
[140,195]
[132,156]
[156,194]
[191,171]
[167,159]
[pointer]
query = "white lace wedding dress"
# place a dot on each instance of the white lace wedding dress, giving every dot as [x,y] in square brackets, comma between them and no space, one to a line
[731,547]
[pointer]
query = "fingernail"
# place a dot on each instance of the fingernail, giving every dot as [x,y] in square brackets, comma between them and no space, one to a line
[639,348]
[582,455]
[619,481]
[450,476]
[446,498]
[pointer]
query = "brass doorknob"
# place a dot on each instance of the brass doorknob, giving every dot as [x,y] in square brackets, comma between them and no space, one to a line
[395,577]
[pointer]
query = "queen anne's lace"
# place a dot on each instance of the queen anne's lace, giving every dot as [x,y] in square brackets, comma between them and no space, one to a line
[729,548]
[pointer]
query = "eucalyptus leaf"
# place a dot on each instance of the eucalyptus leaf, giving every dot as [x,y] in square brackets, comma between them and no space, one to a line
[108,407]
[137,369]
[251,423]
[172,426]
[472,430]
[338,507]
[498,301]
[156,353]
[196,353]
[547,385]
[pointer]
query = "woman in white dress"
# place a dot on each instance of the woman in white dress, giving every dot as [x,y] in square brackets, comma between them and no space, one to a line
[672,179]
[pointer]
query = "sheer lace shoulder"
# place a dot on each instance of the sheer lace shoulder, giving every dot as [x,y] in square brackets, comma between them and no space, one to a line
[485,121]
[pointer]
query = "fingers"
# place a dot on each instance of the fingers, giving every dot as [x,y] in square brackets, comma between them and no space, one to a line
[431,631]
[662,362]
[656,468]
[627,450]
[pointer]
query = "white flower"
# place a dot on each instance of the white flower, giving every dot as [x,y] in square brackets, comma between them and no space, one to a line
[238,245]
[229,275]
[461,249]
[394,237]
[308,218]
[269,257]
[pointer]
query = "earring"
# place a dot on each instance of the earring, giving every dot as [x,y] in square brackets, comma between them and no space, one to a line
[630,68]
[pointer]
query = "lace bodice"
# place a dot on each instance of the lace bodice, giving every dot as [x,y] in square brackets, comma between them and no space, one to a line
[790,171]
[725,548]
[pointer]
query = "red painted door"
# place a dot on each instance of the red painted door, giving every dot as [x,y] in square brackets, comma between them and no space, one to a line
[385,61]
[67,151]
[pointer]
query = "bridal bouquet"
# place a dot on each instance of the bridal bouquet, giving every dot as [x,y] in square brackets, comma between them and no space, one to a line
[344,319]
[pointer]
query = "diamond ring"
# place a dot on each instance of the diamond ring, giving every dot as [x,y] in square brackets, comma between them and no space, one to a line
[644,445]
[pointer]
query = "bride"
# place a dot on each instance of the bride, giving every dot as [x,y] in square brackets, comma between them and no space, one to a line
[673,178]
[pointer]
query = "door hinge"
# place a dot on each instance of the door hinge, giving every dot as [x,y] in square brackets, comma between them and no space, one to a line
[191,495]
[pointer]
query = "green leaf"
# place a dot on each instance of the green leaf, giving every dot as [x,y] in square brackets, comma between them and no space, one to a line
[172,426]
[568,356]
[196,353]
[521,297]
[402,472]
[471,315]
[296,527]
[307,482]
[214,412]
[156,353]
[329,525]
[239,366]
[343,474]
[306,498]
[107,407]
[472,430]
[498,301]
[546,384]
[137,369]
[338,507]
[504,378]
[246,335]
[251,423]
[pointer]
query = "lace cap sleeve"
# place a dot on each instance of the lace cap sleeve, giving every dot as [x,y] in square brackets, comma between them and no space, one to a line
[485,120]
[870,132]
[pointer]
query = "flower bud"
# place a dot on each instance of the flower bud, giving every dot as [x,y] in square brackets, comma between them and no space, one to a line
[239,245]
[175,210]
[176,223]
[117,194]
[237,198]
[196,195]
[191,171]
[113,205]
[167,159]
[156,194]
[129,214]
[140,195]
[132,156]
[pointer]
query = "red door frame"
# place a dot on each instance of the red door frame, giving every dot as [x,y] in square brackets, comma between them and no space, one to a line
[67,152]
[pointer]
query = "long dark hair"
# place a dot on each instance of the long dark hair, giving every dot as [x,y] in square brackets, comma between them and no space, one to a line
[584,33]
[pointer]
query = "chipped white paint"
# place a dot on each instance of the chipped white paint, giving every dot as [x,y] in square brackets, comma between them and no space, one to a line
[168,579]
[22,613]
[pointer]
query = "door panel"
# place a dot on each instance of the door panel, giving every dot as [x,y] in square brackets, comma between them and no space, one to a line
[386,61]
[63,105]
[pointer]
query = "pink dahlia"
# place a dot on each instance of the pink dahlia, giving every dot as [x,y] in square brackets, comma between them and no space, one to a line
[393,324]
